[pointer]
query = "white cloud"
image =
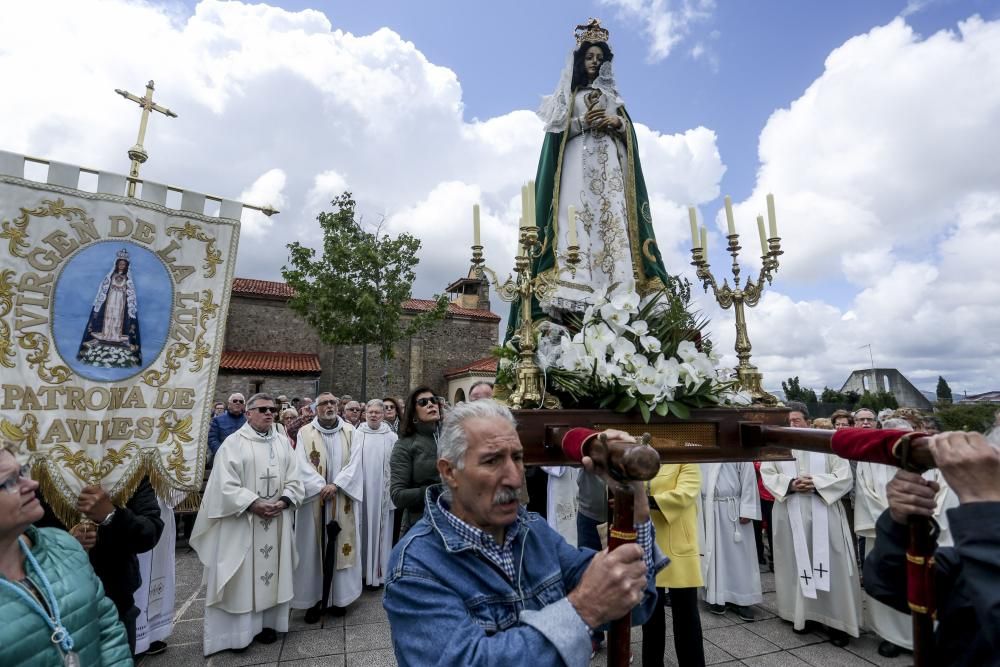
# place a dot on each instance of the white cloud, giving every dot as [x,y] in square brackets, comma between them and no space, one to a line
[887,193]
[665,23]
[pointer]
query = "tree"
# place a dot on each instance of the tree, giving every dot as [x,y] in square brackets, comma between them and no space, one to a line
[943,391]
[967,417]
[795,392]
[353,294]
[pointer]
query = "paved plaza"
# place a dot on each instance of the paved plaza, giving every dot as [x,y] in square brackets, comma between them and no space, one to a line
[361,638]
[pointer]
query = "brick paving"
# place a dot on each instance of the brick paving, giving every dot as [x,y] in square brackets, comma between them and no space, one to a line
[361,638]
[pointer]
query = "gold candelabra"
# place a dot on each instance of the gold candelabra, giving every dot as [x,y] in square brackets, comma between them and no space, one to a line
[525,286]
[747,376]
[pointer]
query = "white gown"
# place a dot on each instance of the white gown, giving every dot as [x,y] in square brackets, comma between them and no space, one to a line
[729,563]
[561,501]
[377,509]
[346,586]
[155,596]
[840,607]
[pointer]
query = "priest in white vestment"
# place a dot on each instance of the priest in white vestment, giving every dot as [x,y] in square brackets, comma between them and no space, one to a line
[730,504]
[334,486]
[870,501]
[243,534]
[815,568]
[375,440]
[561,504]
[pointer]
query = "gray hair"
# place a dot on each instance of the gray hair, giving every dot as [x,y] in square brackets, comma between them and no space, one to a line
[259,396]
[860,410]
[374,402]
[897,423]
[453,441]
[798,406]
[233,395]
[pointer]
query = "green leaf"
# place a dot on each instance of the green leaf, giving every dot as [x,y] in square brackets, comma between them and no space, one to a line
[679,410]
[644,411]
[662,408]
[626,403]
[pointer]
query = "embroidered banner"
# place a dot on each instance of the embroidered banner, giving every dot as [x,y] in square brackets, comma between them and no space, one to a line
[112,317]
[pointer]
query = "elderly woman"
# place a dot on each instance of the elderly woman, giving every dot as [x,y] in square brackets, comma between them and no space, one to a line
[52,606]
[392,411]
[376,441]
[414,459]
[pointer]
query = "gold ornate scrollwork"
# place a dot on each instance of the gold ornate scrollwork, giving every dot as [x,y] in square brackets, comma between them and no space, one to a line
[16,230]
[6,305]
[38,347]
[26,432]
[213,256]
[178,432]
[155,378]
[91,471]
[202,351]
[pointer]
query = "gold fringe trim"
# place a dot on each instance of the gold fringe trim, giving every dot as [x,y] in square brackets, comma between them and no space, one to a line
[623,535]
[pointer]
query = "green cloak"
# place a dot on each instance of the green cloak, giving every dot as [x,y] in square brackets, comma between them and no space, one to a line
[647,264]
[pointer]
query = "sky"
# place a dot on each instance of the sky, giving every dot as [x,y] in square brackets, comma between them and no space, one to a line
[875,125]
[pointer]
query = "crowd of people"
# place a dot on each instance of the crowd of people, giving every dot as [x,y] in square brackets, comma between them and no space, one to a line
[310,501]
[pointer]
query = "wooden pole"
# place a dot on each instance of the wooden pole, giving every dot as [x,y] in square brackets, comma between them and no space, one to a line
[622,531]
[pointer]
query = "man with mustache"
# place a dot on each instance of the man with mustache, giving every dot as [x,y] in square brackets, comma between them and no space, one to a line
[480,581]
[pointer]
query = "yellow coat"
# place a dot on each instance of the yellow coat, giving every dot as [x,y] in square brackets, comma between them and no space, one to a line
[676,488]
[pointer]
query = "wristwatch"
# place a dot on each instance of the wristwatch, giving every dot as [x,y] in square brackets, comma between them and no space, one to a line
[107,519]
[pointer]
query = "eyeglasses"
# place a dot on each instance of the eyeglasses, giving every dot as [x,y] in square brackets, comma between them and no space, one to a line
[236,400]
[329,401]
[11,484]
[388,406]
[352,409]
[265,409]
[425,401]
[865,419]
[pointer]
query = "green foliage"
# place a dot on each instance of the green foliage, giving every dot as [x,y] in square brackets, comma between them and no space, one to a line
[841,397]
[967,416]
[878,401]
[795,392]
[353,293]
[943,391]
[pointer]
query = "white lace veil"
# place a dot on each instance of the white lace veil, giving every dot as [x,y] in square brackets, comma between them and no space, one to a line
[554,110]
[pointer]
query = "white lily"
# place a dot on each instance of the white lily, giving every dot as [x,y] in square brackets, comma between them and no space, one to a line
[626,299]
[615,317]
[650,343]
[597,339]
[623,350]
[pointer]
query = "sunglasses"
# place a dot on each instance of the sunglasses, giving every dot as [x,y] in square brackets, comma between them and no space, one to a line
[328,402]
[424,402]
[388,406]
[265,409]
[10,485]
[237,400]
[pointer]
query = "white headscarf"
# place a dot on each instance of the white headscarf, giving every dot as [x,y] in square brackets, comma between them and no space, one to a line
[554,110]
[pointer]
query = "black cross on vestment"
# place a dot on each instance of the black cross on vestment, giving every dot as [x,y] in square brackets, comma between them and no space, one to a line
[821,570]
[267,478]
[805,576]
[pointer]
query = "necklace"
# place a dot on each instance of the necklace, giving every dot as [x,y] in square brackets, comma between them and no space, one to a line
[43,602]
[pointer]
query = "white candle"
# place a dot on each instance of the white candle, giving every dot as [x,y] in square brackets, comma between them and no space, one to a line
[704,242]
[772,223]
[730,223]
[524,206]
[571,232]
[763,239]
[693,219]
[533,221]
[475,225]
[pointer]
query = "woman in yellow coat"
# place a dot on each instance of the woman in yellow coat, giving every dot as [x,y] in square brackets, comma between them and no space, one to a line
[672,497]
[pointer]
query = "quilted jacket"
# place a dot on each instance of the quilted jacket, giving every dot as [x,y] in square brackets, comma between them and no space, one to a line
[91,619]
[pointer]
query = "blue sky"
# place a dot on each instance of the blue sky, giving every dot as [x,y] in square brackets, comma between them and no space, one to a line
[872,122]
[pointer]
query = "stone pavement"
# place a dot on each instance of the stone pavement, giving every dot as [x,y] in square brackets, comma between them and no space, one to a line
[361,638]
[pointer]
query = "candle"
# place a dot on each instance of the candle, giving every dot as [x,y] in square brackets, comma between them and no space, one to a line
[772,223]
[475,225]
[572,226]
[693,219]
[524,206]
[704,242]
[730,223]
[763,239]
[532,219]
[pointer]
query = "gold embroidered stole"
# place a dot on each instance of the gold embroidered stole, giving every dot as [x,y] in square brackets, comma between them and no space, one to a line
[346,547]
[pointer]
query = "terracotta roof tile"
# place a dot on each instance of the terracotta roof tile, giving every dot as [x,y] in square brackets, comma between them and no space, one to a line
[271,362]
[254,287]
[484,365]
[423,305]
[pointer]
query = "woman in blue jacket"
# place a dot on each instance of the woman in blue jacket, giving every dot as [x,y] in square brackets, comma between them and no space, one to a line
[52,606]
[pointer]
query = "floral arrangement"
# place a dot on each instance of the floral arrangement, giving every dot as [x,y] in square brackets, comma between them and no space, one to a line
[104,355]
[627,353]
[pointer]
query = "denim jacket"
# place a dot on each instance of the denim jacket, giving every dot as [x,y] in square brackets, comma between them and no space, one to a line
[449,605]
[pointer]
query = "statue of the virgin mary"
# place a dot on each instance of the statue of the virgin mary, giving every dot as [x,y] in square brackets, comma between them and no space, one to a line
[590,160]
[111,337]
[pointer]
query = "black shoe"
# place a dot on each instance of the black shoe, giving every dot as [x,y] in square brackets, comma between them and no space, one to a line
[336,611]
[718,609]
[745,613]
[810,626]
[156,648]
[889,650]
[839,638]
[266,636]
[314,613]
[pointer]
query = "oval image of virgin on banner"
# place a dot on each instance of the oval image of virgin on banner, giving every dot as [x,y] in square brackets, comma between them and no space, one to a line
[111,313]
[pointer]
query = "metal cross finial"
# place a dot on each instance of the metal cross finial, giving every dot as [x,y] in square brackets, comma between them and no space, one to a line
[137,153]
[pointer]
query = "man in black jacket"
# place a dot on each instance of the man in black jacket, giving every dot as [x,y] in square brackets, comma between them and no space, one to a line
[122,533]
[967,575]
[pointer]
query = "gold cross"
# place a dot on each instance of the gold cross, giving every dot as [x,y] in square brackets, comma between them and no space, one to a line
[137,153]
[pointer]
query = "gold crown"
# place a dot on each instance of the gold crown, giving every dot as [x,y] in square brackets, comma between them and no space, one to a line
[591,32]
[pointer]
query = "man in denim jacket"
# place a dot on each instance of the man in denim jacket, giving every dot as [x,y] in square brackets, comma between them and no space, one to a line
[480,581]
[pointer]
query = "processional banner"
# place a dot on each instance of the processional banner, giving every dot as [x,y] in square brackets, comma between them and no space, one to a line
[112,317]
